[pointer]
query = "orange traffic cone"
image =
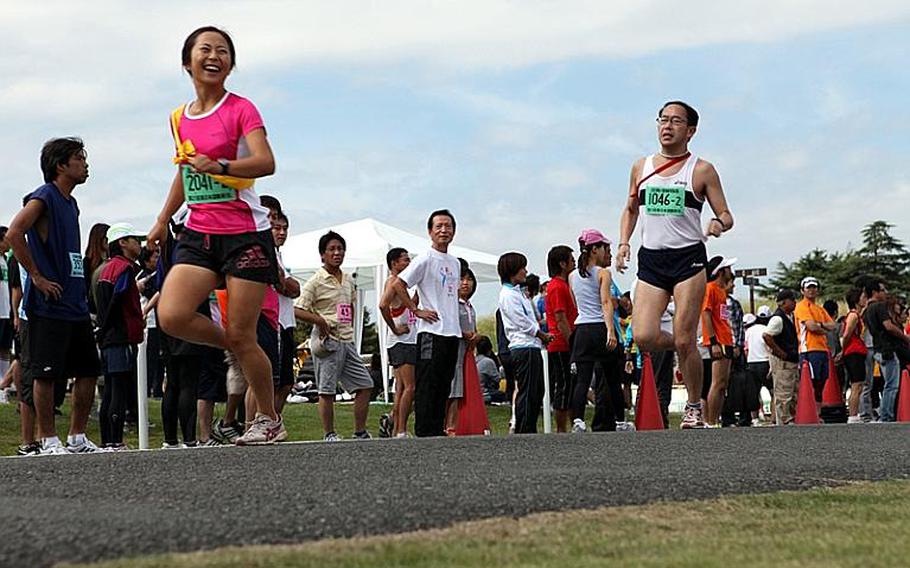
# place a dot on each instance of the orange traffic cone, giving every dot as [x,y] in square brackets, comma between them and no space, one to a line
[806,411]
[647,407]
[832,395]
[903,398]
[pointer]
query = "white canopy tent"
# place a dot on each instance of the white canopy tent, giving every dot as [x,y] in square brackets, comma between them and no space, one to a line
[368,242]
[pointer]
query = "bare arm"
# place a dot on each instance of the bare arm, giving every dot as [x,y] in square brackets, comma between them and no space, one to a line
[628,220]
[389,293]
[849,327]
[777,351]
[314,319]
[896,331]
[562,324]
[21,224]
[151,304]
[399,288]
[815,327]
[606,301]
[260,162]
[714,193]
[173,202]
[288,287]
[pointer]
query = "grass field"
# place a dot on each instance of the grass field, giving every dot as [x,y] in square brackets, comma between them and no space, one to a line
[863,524]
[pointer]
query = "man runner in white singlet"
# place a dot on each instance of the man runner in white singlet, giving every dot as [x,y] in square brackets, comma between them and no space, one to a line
[667,193]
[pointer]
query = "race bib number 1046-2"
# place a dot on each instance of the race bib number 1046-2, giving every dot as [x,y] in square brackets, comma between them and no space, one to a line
[665,201]
[199,187]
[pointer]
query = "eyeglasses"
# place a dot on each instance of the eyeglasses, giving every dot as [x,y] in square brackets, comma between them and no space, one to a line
[674,120]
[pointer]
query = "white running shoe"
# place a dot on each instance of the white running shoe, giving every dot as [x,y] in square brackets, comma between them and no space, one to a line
[625,427]
[579,426]
[854,420]
[53,450]
[166,446]
[692,418]
[331,437]
[83,446]
[263,431]
[4,396]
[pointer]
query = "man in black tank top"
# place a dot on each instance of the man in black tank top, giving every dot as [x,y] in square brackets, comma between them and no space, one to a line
[673,269]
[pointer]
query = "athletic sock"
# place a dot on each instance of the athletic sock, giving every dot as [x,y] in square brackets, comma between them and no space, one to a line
[51,441]
[75,439]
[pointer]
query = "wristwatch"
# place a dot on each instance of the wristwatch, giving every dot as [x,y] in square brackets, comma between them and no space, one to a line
[224,163]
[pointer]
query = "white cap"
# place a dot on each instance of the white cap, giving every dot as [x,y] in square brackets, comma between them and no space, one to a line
[749,319]
[724,264]
[764,312]
[119,231]
[808,281]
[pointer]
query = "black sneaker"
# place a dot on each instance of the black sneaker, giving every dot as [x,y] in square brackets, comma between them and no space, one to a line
[385,426]
[363,435]
[32,449]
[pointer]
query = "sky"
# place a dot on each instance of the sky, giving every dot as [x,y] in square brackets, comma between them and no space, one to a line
[523,118]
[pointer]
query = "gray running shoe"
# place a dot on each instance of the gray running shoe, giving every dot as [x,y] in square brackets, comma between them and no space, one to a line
[263,431]
[226,433]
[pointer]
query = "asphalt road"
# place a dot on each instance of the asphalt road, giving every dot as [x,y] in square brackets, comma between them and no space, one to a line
[92,507]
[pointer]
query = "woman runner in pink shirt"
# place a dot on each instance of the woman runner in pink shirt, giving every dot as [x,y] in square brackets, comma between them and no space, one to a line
[221,147]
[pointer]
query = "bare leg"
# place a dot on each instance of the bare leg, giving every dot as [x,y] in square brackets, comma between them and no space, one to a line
[404,396]
[184,289]
[562,420]
[361,409]
[244,306]
[689,297]
[26,412]
[83,396]
[205,411]
[281,397]
[650,304]
[327,412]
[43,395]
[720,374]
[230,411]
[249,404]
[452,414]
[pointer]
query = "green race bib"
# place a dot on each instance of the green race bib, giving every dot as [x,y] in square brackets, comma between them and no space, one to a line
[665,201]
[203,188]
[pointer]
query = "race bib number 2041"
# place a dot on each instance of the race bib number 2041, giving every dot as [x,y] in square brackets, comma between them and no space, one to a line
[203,188]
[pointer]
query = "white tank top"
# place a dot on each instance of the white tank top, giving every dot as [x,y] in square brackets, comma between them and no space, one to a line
[669,210]
[402,316]
[587,296]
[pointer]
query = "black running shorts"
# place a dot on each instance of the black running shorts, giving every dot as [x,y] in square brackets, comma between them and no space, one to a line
[665,268]
[249,256]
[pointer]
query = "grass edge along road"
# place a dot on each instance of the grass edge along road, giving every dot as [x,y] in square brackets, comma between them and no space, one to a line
[861,524]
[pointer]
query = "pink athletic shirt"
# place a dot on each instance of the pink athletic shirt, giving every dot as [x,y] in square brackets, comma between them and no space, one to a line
[221,133]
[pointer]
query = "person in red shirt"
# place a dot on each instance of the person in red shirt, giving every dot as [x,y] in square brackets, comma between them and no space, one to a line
[717,333]
[561,314]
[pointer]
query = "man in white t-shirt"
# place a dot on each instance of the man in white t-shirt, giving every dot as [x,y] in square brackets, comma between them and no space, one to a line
[758,365]
[288,288]
[436,275]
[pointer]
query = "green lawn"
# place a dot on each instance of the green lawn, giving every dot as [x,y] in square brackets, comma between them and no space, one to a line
[859,525]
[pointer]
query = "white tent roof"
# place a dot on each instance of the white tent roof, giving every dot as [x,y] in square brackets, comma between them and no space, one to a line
[368,241]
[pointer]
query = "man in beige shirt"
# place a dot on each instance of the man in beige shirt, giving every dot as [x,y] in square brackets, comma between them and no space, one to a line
[327,301]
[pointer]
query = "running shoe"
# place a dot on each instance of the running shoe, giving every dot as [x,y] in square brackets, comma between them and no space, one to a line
[854,420]
[4,396]
[692,418]
[210,443]
[32,449]
[53,450]
[226,433]
[385,426]
[263,431]
[234,372]
[402,435]
[121,447]
[331,437]
[579,426]
[362,435]
[83,446]
[625,427]
[166,446]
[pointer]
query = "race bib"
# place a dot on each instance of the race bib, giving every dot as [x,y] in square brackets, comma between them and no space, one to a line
[725,312]
[344,313]
[203,188]
[412,319]
[665,201]
[76,270]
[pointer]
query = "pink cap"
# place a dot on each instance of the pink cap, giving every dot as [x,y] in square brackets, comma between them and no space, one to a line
[592,237]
